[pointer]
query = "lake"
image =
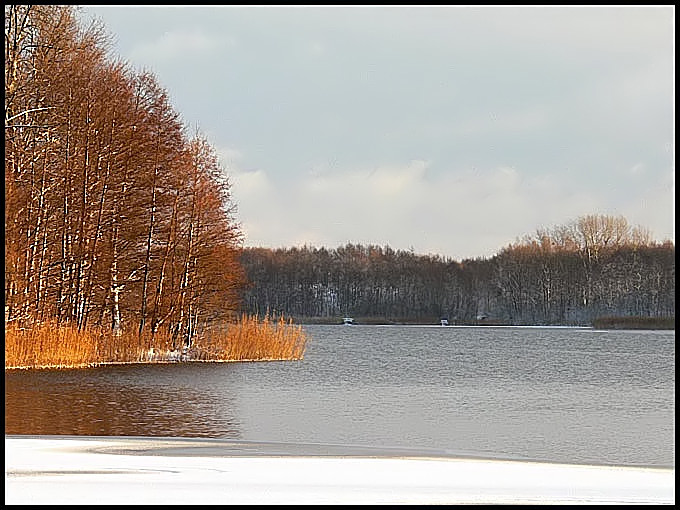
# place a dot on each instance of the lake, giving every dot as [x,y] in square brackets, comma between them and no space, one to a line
[572,395]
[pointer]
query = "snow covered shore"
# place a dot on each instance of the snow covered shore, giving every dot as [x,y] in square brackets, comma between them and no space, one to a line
[118,470]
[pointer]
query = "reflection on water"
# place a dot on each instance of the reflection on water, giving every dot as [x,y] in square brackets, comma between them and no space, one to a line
[153,400]
[586,396]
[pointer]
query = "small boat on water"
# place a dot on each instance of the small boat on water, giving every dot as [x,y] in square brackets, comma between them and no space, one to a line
[347,321]
[444,322]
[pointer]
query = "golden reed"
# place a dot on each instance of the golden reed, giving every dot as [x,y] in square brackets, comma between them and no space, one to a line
[252,339]
[62,346]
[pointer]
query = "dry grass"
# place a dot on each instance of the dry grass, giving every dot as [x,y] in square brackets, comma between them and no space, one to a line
[252,339]
[61,346]
[49,346]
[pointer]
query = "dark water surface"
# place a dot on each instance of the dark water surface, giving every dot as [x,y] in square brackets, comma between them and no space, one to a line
[552,394]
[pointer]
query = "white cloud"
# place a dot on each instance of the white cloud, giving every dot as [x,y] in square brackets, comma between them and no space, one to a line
[579,27]
[637,169]
[229,156]
[395,182]
[461,215]
[654,207]
[503,122]
[180,44]
[252,182]
[316,49]
[500,120]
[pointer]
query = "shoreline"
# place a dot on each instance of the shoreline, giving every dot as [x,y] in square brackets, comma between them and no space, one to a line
[120,470]
[157,362]
[653,325]
[223,447]
[169,358]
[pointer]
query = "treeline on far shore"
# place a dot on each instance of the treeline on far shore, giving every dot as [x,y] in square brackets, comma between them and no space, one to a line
[597,269]
[634,323]
[597,323]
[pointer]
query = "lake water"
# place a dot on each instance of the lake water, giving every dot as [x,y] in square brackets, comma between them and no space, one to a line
[549,394]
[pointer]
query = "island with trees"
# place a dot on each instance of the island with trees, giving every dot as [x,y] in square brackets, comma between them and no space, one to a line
[120,238]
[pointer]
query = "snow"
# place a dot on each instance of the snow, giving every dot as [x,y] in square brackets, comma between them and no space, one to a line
[117,470]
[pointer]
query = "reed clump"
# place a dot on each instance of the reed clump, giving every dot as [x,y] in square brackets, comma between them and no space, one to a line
[47,345]
[51,345]
[252,339]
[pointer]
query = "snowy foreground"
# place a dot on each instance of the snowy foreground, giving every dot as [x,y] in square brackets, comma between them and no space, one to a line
[117,470]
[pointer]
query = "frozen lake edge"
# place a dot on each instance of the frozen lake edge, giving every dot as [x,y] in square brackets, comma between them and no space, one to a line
[140,470]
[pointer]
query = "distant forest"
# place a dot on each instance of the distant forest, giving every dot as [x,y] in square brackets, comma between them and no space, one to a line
[595,266]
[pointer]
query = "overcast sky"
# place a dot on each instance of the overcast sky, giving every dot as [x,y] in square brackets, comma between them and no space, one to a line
[446,130]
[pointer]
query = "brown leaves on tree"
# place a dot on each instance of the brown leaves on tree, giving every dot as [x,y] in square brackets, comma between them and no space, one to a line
[114,217]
